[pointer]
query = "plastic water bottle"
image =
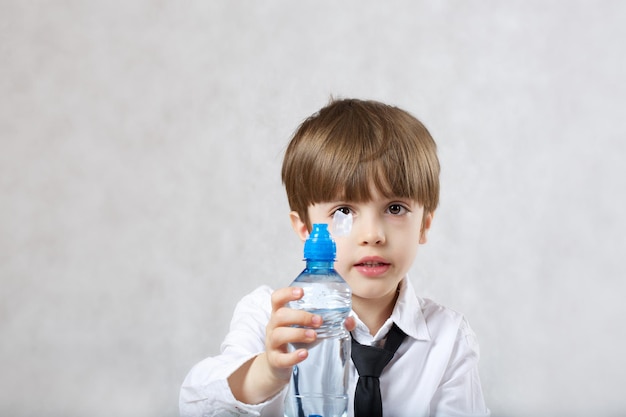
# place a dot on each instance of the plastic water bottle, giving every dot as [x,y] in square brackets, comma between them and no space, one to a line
[318,384]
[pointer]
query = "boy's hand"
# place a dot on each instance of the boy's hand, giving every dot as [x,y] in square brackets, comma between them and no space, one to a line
[280,332]
[266,374]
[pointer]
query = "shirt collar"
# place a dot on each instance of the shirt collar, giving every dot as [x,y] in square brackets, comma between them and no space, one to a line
[407,314]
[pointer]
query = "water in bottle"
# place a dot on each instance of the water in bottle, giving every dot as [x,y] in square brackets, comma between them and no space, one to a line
[318,384]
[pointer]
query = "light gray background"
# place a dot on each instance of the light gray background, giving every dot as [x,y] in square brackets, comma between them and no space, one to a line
[140,152]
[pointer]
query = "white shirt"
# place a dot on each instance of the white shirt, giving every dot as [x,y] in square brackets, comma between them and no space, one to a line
[433,373]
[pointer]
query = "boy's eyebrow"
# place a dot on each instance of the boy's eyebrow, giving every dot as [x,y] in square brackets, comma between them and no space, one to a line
[332,202]
[384,198]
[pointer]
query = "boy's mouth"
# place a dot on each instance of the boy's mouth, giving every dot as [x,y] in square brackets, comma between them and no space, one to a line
[372,266]
[372,261]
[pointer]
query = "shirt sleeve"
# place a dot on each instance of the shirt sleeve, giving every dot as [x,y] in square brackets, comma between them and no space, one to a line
[205,391]
[460,392]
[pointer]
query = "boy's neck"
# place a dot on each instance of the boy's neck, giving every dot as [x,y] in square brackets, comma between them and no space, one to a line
[374,312]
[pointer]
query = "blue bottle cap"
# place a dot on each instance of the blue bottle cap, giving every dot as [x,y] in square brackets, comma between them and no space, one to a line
[320,246]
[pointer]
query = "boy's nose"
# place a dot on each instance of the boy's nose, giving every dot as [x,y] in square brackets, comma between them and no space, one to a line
[371,232]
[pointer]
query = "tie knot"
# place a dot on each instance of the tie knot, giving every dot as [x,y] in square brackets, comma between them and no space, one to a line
[369,360]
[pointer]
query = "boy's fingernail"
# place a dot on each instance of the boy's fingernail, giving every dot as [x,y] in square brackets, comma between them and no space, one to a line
[316,320]
[296,291]
[309,334]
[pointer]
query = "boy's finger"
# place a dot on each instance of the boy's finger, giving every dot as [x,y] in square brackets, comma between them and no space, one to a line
[286,360]
[350,324]
[282,296]
[289,317]
[284,335]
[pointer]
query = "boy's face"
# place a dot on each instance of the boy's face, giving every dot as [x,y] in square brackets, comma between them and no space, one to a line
[381,246]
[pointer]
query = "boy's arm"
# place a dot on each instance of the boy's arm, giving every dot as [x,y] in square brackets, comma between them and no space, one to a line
[205,390]
[460,392]
[266,374]
[245,378]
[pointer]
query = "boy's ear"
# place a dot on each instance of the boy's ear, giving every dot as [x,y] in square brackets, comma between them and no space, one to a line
[298,226]
[426,223]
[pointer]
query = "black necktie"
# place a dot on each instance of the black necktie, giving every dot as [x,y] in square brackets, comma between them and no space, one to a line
[370,362]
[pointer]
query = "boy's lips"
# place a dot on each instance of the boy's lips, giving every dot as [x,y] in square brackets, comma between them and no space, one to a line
[372,266]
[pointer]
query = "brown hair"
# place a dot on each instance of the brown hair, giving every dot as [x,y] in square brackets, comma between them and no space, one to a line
[340,151]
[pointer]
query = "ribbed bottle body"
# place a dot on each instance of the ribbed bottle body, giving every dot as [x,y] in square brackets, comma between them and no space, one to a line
[318,384]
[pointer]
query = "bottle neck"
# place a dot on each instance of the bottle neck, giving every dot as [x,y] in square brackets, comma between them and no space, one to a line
[313,264]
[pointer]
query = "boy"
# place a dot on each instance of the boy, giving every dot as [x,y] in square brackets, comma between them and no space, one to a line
[379,164]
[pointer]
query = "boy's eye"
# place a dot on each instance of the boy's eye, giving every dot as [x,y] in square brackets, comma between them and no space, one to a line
[344,210]
[396,209]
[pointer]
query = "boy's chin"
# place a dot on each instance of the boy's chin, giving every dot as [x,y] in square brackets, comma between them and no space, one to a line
[373,290]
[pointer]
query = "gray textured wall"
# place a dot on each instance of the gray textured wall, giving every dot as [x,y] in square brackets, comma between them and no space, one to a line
[140,196]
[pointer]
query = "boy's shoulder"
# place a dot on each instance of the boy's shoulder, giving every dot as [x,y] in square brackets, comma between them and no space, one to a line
[436,314]
[424,311]
[447,322]
[432,309]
